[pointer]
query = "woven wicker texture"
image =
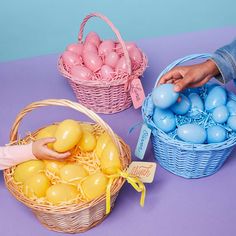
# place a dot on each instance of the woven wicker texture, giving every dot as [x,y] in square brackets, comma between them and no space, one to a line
[71,218]
[105,96]
[181,158]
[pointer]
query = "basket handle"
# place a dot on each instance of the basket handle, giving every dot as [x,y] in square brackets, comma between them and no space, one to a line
[114,29]
[181,61]
[64,103]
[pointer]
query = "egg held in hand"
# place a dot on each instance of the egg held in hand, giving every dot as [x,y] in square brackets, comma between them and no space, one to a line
[67,135]
[164,96]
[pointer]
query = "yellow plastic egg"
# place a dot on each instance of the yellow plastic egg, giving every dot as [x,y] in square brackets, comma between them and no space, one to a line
[72,173]
[94,185]
[60,193]
[24,170]
[54,166]
[67,135]
[47,132]
[36,185]
[101,143]
[110,161]
[87,142]
[86,127]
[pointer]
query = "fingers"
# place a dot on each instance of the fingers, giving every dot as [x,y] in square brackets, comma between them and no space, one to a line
[55,155]
[183,83]
[170,76]
[45,141]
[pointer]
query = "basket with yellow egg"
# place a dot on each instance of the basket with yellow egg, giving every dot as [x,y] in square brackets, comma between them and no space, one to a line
[75,195]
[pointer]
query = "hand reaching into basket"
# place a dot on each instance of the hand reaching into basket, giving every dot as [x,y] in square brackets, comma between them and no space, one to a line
[42,152]
[15,154]
[222,63]
[190,76]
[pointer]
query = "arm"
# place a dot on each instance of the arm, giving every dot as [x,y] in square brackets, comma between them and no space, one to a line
[222,66]
[13,155]
[225,60]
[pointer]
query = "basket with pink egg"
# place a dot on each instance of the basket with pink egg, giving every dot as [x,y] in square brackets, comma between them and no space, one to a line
[104,74]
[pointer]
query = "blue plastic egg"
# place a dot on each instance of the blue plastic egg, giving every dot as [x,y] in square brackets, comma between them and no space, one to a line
[231,105]
[216,97]
[164,96]
[220,114]
[188,91]
[232,122]
[216,134]
[196,104]
[210,86]
[192,133]
[164,119]
[182,107]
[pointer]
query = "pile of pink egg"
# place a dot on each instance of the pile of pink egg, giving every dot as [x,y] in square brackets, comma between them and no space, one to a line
[99,59]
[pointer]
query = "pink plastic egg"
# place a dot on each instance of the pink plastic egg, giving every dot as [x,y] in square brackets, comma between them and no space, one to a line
[93,38]
[111,59]
[106,72]
[89,47]
[122,65]
[76,48]
[135,56]
[92,61]
[106,47]
[81,72]
[129,46]
[71,58]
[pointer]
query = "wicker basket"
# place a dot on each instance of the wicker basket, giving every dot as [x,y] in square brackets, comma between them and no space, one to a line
[181,158]
[74,218]
[105,96]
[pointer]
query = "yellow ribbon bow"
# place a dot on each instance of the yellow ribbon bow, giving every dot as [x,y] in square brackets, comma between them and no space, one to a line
[133,180]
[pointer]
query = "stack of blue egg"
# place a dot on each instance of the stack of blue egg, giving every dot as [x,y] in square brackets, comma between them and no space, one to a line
[202,115]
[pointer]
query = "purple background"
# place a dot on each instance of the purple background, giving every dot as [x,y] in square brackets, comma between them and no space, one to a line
[174,206]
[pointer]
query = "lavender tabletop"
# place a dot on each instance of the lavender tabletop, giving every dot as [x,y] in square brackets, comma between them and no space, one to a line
[174,205]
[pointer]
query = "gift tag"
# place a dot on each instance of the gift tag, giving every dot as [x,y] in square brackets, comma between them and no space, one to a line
[143,140]
[145,171]
[137,93]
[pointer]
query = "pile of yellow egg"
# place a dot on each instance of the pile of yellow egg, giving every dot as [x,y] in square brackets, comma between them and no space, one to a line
[82,178]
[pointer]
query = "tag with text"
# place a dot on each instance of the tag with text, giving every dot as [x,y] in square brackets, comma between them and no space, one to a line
[137,93]
[145,171]
[143,140]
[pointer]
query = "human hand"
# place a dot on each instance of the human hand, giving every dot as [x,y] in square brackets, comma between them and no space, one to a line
[41,151]
[190,76]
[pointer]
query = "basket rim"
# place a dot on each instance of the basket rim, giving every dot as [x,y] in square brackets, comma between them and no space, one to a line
[70,208]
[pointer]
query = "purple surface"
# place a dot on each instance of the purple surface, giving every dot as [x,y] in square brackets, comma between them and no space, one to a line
[174,206]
